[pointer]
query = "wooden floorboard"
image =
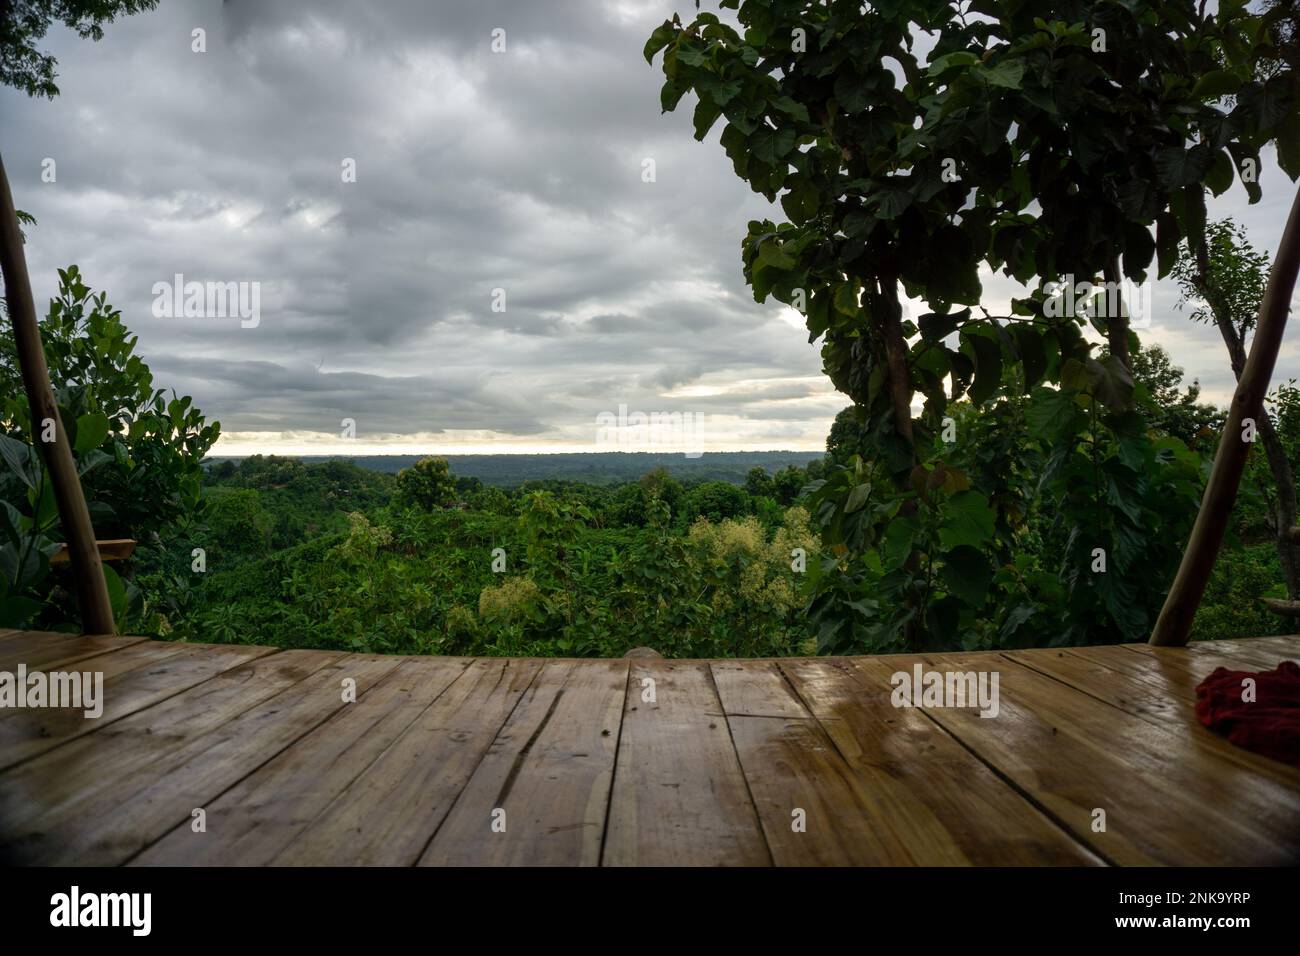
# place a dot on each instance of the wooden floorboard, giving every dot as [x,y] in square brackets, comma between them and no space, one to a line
[252,822]
[1166,799]
[679,793]
[315,757]
[815,811]
[418,777]
[541,792]
[1164,698]
[48,650]
[135,676]
[944,805]
[80,802]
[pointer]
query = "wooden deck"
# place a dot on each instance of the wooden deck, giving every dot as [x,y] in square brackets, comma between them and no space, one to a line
[719,769]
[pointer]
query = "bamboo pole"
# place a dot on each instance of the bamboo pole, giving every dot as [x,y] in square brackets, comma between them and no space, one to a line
[1174,625]
[92,591]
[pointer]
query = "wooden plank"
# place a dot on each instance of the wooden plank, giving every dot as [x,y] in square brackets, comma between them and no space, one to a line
[110,549]
[549,770]
[251,823]
[679,795]
[386,816]
[50,649]
[91,786]
[755,689]
[1166,699]
[1128,683]
[814,810]
[941,802]
[135,677]
[1204,658]
[1074,754]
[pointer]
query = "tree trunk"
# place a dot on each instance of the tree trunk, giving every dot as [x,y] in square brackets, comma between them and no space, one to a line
[92,591]
[1116,325]
[1284,508]
[1174,626]
[900,387]
[890,312]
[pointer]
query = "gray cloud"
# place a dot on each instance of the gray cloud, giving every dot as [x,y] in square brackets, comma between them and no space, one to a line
[476,171]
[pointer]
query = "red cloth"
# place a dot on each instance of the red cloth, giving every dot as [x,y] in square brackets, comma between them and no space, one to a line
[1270,725]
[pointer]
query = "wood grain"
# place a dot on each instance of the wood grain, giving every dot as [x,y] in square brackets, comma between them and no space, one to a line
[86,792]
[416,780]
[135,677]
[679,794]
[252,822]
[1166,800]
[47,650]
[946,806]
[733,762]
[549,770]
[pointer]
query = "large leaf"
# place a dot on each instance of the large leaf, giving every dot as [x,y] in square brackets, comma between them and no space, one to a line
[1033,356]
[92,429]
[1216,84]
[17,610]
[1179,167]
[11,523]
[1110,383]
[988,367]
[1050,414]
[966,573]
[18,456]
[857,498]
[967,520]
[1288,145]
[116,591]
[1005,74]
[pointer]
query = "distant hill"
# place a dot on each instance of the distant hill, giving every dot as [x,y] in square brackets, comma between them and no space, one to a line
[597,468]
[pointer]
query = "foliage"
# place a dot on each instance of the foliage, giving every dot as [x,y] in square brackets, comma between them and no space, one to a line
[1237,270]
[138,451]
[715,500]
[1175,409]
[427,484]
[24,22]
[1044,140]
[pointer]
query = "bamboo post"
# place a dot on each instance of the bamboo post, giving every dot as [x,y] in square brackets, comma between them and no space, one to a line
[1174,626]
[92,591]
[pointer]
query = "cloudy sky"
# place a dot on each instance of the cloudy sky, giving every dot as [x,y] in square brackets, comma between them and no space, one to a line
[475,171]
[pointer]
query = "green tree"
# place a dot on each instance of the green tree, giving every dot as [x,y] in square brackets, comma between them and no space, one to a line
[1043,139]
[1224,277]
[758,483]
[428,485]
[788,483]
[716,501]
[659,485]
[150,444]
[23,23]
[1173,408]
[238,524]
[139,450]
[846,437]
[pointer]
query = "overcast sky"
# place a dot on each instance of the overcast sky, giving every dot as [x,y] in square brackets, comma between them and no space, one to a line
[475,170]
